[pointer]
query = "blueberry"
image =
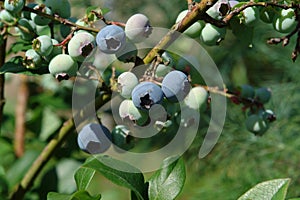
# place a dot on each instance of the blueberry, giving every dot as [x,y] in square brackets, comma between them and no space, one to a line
[267,14]
[212,35]
[14,6]
[55,51]
[40,20]
[43,45]
[167,59]
[175,86]
[7,17]
[94,138]
[263,95]
[81,45]
[162,70]
[195,29]
[145,94]
[26,29]
[111,39]
[63,66]
[196,98]
[59,7]
[43,30]
[128,111]
[121,137]
[26,14]
[32,59]
[247,91]
[256,124]
[138,28]
[126,82]
[250,16]
[285,22]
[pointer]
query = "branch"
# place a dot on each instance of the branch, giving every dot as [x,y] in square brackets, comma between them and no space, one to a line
[67,129]
[60,20]
[197,12]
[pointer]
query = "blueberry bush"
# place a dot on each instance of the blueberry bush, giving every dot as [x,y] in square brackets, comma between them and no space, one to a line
[89,99]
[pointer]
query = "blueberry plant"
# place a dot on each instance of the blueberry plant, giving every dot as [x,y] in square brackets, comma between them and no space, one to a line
[42,39]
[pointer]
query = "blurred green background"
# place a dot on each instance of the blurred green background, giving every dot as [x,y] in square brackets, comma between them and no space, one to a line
[239,160]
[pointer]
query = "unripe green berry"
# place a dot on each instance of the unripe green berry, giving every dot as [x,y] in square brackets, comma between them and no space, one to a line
[43,45]
[63,67]
[263,94]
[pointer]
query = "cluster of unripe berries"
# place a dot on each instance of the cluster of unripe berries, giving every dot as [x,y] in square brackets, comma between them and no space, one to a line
[283,20]
[258,118]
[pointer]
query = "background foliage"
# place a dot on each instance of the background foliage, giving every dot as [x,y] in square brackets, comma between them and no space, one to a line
[239,161]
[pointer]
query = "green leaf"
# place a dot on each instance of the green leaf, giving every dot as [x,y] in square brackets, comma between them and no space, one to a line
[134,181]
[83,177]
[17,171]
[91,8]
[274,189]
[58,196]
[65,172]
[105,10]
[49,117]
[15,65]
[295,199]
[79,195]
[167,182]
[84,195]
[242,32]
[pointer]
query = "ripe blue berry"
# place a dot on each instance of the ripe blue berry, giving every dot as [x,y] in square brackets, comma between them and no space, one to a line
[128,111]
[59,7]
[138,28]
[145,94]
[14,6]
[43,45]
[126,82]
[81,45]
[175,86]
[63,67]
[111,39]
[40,20]
[94,138]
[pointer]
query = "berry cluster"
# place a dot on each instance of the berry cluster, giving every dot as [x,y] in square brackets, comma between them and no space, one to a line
[257,118]
[283,20]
